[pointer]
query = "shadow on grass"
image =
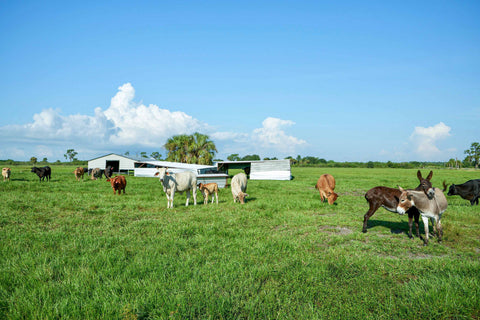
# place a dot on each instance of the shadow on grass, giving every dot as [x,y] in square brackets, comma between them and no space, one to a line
[395,227]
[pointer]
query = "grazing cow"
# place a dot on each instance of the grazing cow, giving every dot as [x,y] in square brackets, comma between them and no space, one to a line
[178,182]
[118,183]
[469,190]
[6,172]
[388,198]
[78,172]
[209,189]
[429,207]
[42,173]
[325,186]
[108,172]
[96,173]
[239,186]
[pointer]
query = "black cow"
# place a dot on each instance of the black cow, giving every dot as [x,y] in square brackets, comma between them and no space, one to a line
[469,190]
[108,172]
[43,173]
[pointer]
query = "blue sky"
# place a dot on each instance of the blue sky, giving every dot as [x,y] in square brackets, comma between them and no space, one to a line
[339,80]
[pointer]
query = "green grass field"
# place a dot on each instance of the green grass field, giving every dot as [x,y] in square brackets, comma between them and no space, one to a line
[73,250]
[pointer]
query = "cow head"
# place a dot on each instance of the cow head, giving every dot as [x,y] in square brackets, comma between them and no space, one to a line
[405,201]
[332,197]
[426,185]
[116,183]
[241,197]
[161,172]
[452,190]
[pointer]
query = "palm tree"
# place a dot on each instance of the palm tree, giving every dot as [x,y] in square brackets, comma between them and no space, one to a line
[196,148]
[202,149]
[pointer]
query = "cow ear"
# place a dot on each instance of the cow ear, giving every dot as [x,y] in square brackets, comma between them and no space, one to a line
[400,188]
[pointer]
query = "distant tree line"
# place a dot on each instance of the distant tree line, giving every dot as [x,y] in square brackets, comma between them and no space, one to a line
[198,148]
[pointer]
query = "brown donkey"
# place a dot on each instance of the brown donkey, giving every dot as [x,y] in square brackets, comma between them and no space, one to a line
[388,198]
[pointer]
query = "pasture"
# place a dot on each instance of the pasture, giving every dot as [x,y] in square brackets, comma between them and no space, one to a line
[73,250]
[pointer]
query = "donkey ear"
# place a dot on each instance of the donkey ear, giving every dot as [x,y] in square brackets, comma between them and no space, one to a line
[419,175]
[430,175]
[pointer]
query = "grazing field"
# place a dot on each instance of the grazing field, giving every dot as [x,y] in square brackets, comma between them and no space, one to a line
[73,250]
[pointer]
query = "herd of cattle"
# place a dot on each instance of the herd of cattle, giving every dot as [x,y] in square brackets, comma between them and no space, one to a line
[425,200]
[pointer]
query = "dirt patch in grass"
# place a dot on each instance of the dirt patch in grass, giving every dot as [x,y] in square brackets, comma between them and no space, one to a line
[335,230]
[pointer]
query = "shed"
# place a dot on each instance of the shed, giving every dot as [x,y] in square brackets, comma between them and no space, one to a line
[260,169]
[119,163]
[205,173]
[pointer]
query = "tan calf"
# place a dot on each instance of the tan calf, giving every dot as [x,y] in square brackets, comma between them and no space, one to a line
[78,172]
[6,173]
[325,186]
[208,189]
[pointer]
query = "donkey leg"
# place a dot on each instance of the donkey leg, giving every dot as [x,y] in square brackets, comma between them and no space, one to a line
[416,216]
[439,230]
[373,207]
[410,224]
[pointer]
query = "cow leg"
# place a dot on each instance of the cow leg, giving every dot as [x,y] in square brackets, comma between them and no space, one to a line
[194,192]
[188,198]
[425,226]
[170,199]
[373,207]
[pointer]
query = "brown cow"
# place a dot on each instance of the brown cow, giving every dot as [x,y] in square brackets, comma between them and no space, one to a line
[6,173]
[78,172]
[209,189]
[118,183]
[325,186]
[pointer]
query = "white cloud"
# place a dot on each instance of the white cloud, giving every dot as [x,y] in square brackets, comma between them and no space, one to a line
[127,124]
[272,136]
[269,140]
[425,140]
[149,126]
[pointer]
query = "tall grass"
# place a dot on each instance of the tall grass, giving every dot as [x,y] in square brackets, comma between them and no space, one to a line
[73,250]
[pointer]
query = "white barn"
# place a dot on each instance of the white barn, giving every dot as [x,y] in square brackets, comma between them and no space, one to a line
[120,163]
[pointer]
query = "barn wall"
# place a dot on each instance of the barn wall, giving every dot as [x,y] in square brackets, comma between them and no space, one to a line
[271,170]
[125,163]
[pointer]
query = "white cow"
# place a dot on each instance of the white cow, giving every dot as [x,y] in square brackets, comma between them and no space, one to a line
[239,186]
[178,182]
